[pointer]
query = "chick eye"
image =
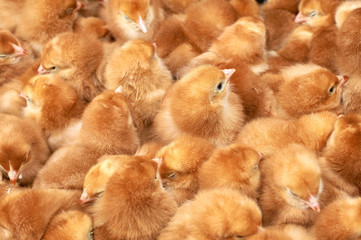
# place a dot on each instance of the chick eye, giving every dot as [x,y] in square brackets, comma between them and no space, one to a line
[293,194]
[255,167]
[239,236]
[155,178]
[3,55]
[332,90]
[53,68]
[313,13]
[69,11]
[91,235]
[126,17]
[172,175]
[220,86]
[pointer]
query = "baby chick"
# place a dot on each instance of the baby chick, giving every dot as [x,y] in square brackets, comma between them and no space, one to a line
[287,5]
[74,58]
[201,104]
[133,19]
[233,167]
[143,77]
[339,220]
[291,187]
[23,150]
[27,213]
[69,225]
[182,159]
[61,124]
[145,207]
[214,214]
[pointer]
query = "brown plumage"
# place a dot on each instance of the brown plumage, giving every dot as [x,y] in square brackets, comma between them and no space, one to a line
[233,167]
[214,214]
[267,135]
[74,58]
[61,124]
[201,104]
[106,128]
[339,220]
[133,19]
[283,232]
[182,159]
[23,150]
[143,77]
[134,204]
[91,25]
[27,213]
[288,5]
[291,187]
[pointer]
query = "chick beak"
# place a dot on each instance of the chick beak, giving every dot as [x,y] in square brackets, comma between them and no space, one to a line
[313,203]
[343,80]
[79,6]
[13,175]
[19,51]
[22,95]
[141,25]
[119,89]
[85,198]
[300,18]
[228,73]
[42,70]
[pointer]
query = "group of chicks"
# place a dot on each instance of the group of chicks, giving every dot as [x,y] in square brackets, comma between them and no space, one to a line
[180,119]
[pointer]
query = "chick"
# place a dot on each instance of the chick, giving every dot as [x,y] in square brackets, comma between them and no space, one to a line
[143,77]
[44,20]
[23,150]
[145,207]
[339,220]
[61,124]
[107,129]
[177,6]
[91,25]
[283,232]
[149,149]
[69,225]
[288,5]
[233,167]
[181,161]
[322,87]
[201,104]
[27,213]
[74,58]
[342,151]
[291,187]
[214,214]
[246,7]
[98,176]
[267,135]
[91,8]
[134,19]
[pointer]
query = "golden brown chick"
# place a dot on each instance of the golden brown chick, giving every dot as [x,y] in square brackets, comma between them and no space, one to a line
[288,5]
[283,232]
[339,220]
[143,77]
[149,149]
[44,20]
[342,152]
[181,161]
[27,213]
[246,7]
[107,129]
[91,8]
[69,225]
[23,150]
[234,167]
[74,58]
[133,19]
[14,59]
[98,176]
[201,104]
[291,187]
[322,88]
[176,6]
[267,135]
[214,214]
[91,25]
[61,124]
[343,11]
[145,207]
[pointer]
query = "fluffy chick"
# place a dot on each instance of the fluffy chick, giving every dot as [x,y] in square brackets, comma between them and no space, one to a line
[291,187]
[98,176]
[23,150]
[27,213]
[149,149]
[91,25]
[44,20]
[143,77]
[182,159]
[201,104]
[267,135]
[61,124]
[339,220]
[69,225]
[283,232]
[74,58]
[106,128]
[214,214]
[288,5]
[133,19]
[233,167]
[145,207]
[322,87]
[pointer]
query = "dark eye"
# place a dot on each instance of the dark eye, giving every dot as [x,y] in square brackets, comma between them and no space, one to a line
[220,86]
[293,194]
[26,158]
[332,89]
[126,17]
[69,11]
[238,236]
[53,68]
[313,13]
[172,175]
[255,167]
